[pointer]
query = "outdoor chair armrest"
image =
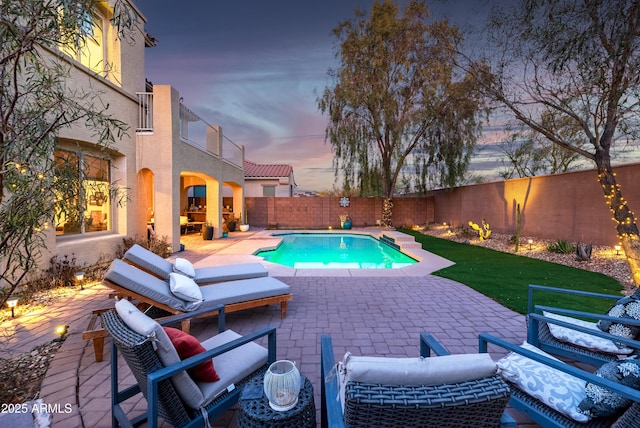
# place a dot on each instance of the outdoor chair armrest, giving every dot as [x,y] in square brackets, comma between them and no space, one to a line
[330,406]
[429,343]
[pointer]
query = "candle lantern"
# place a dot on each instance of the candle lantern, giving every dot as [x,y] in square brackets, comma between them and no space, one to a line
[282,385]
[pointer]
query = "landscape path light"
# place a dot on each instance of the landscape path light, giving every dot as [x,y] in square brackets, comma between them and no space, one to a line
[12,302]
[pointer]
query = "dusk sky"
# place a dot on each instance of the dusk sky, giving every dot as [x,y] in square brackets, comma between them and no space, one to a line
[257,67]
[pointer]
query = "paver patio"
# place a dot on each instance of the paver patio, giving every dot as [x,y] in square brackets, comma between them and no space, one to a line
[381,315]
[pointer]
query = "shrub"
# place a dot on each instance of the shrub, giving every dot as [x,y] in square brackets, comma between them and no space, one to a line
[561,246]
[159,246]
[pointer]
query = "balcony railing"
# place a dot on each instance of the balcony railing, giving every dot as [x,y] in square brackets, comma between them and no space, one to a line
[145,112]
[193,131]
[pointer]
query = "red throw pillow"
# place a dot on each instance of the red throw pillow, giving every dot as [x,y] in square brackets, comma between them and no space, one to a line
[188,346]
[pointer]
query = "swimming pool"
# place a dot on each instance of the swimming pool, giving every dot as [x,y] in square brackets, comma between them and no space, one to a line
[335,251]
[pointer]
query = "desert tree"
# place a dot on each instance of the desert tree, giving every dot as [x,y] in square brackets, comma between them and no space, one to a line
[527,153]
[397,97]
[579,59]
[38,100]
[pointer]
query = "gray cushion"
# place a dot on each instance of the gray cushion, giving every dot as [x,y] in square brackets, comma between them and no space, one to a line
[232,366]
[225,293]
[149,261]
[140,282]
[207,275]
[142,324]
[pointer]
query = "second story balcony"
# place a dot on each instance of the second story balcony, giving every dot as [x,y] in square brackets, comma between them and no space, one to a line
[193,130]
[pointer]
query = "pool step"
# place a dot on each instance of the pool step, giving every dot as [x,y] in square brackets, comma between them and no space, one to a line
[399,240]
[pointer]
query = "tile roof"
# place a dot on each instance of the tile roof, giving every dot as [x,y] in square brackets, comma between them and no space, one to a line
[254,170]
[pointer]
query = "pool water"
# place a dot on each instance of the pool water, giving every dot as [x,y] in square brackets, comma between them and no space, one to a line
[335,251]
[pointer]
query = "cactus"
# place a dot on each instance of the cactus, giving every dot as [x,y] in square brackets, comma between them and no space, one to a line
[484,231]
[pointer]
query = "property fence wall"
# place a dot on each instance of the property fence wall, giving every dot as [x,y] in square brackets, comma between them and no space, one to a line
[320,213]
[567,206]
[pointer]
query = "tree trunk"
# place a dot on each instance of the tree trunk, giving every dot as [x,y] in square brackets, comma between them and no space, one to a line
[626,226]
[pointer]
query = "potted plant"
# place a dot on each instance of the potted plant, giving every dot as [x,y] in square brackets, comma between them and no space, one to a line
[225,229]
[207,231]
[345,221]
[231,224]
[244,226]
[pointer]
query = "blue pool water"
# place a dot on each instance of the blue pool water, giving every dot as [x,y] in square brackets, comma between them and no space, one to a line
[335,251]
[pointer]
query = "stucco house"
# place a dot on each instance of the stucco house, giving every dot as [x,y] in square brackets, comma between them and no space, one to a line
[167,150]
[268,180]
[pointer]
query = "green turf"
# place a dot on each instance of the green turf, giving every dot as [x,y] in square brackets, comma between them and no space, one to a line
[505,277]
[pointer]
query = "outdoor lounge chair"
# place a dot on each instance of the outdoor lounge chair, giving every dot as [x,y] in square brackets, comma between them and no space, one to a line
[131,282]
[578,339]
[156,265]
[539,381]
[451,391]
[161,376]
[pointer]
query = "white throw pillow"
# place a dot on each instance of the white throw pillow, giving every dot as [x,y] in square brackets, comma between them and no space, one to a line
[184,267]
[556,389]
[135,319]
[582,339]
[414,371]
[184,287]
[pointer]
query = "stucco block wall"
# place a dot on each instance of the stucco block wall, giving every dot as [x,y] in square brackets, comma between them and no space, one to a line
[568,206]
[324,212]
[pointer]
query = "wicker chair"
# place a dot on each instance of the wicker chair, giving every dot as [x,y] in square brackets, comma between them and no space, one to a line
[550,418]
[539,334]
[476,403]
[154,379]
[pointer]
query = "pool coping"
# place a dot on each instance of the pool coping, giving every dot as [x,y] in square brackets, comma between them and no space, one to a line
[244,251]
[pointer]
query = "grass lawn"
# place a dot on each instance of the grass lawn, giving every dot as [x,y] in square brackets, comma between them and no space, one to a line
[505,277]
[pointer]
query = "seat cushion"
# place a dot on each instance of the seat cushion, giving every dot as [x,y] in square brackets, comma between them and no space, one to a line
[579,338]
[188,346]
[226,293]
[149,261]
[232,366]
[210,274]
[557,389]
[604,402]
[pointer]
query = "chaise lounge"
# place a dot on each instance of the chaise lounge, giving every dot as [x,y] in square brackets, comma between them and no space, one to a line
[130,282]
[162,268]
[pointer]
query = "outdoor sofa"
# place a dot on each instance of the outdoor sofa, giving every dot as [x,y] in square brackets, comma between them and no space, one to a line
[444,391]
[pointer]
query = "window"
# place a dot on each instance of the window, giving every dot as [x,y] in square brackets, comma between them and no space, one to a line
[90,47]
[83,203]
[268,190]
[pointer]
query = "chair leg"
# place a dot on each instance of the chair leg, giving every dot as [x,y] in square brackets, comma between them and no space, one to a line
[283,310]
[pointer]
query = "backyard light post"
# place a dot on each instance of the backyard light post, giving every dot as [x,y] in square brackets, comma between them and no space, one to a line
[12,302]
[80,279]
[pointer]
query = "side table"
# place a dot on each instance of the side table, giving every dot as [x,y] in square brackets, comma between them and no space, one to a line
[256,412]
